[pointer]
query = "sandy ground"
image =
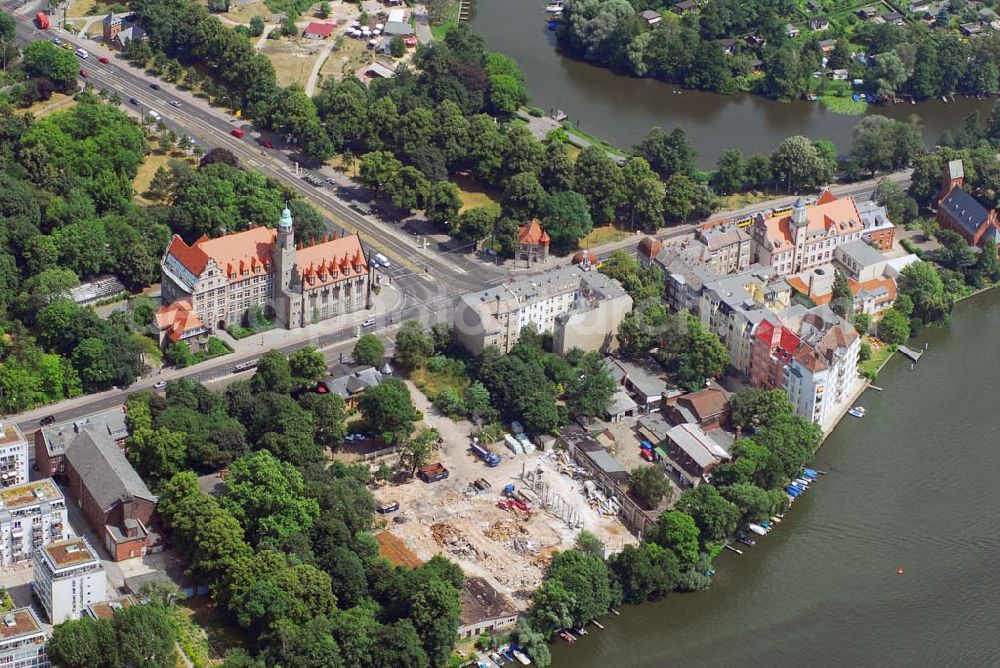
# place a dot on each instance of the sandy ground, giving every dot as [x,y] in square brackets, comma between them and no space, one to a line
[509,548]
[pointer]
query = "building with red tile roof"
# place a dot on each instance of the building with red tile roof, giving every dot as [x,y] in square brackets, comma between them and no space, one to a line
[177,322]
[808,236]
[220,282]
[319,30]
[532,243]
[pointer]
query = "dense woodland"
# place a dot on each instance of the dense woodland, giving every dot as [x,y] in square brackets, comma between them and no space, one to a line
[912,59]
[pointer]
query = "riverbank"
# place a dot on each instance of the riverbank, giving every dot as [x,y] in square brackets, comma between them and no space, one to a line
[830,571]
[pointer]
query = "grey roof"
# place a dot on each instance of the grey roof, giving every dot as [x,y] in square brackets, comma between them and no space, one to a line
[132,32]
[59,436]
[606,462]
[655,424]
[397,28]
[859,251]
[645,378]
[104,470]
[697,445]
[347,381]
[873,216]
[962,208]
[621,403]
[650,14]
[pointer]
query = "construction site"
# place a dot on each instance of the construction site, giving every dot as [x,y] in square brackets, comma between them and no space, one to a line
[502,522]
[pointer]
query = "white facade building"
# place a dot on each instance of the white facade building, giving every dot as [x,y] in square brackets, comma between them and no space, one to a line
[13,456]
[22,640]
[31,515]
[69,576]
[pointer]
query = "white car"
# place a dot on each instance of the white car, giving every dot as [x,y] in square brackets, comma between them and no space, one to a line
[370,322]
[159,385]
[82,54]
[175,103]
[155,116]
[382,260]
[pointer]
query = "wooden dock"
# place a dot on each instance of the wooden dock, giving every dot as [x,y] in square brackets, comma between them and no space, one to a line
[464,10]
[914,355]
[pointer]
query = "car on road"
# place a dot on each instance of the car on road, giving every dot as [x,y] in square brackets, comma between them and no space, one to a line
[382,260]
[81,53]
[237,133]
[104,59]
[56,41]
[155,116]
[154,86]
[329,180]
[363,208]
[370,322]
[84,73]
[67,46]
[265,143]
[312,179]
[47,420]
[159,385]
[175,104]
[134,101]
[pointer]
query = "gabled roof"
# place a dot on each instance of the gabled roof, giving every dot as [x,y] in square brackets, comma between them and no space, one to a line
[331,261]
[828,214]
[323,29]
[533,234]
[179,319]
[706,403]
[104,470]
[963,208]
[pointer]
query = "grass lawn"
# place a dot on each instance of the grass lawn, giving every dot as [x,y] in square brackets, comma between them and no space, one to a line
[844,105]
[292,62]
[602,235]
[58,102]
[210,631]
[432,383]
[473,193]
[740,200]
[440,31]
[594,140]
[145,173]
[347,56]
[880,353]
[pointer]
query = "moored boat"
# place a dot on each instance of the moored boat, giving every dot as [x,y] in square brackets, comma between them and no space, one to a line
[857,411]
[521,658]
[757,529]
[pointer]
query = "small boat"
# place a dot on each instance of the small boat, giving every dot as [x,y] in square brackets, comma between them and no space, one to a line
[597,624]
[553,25]
[757,529]
[857,411]
[554,9]
[567,636]
[521,658]
[615,612]
[745,539]
[710,573]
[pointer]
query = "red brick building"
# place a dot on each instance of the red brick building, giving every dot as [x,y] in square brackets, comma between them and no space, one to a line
[112,496]
[959,211]
[51,442]
[771,350]
[708,408]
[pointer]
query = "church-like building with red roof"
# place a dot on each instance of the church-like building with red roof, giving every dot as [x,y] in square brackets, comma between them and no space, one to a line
[216,282]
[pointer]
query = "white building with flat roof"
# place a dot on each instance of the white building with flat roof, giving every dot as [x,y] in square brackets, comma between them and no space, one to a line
[69,576]
[22,640]
[31,515]
[13,456]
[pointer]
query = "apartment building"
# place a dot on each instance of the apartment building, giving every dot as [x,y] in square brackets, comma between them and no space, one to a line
[31,515]
[23,641]
[13,456]
[69,576]
[808,236]
[727,247]
[52,442]
[594,305]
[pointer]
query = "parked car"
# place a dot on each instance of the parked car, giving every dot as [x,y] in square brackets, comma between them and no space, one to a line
[265,143]
[84,73]
[363,208]
[81,53]
[154,86]
[103,59]
[370,322]
[159,385]
[388,507]
[329,180]
[237,133]
[47,420]
[134,101]
[155,116]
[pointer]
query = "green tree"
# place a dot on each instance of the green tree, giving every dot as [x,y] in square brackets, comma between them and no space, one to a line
[650,485]
[922,283]
[273,373]
[585,578]
[862,322]
[716,518]
[893,327]
[753,501]
[435,612]
[566,219]
[668,154]
[44,59]
[841,299]
[680,197]
[752,407]
[158,454]
[329,412]
[388,408]
[676,531]
[600,181]
[378,170]
[476,400]
[179,354]
[145,636]
[589,543]
[696,356]
[408,188]
[644,571]
[797,164]
[523,198]
[256,25]
[369,350]
[557,170]
[644,196]
[307,366]
[477,223]
[413,345]
[591,389]
[730,172]
[443,202]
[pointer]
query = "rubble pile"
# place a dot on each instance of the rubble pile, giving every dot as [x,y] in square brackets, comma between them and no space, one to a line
[452,540]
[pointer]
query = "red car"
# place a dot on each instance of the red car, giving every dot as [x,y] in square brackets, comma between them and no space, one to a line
[84,73]
[265,143]
[237,133]
[103,59]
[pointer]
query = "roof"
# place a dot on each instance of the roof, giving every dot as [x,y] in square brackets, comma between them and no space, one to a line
[397,15]
[646,378]
[104,470]
[708,402]
[621,402]
[59,436]
[9,434]
[331,261]
[721,236]
[19,623]
[397,28]
[180,320]
[130,33]
[649,247]
[380,70]
[859,251]
[532,234]
[656,425]
[324,29]
[778,338]
[829,215]
[482,602]
[347,382]
[29,494]
[697,445]
[71,552]
[112,18]
[650,14]
[232,253]
[106,609]
[963,208]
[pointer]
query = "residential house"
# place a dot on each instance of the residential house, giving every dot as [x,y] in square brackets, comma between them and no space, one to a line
[621,406]
[728,247]
[532,243]
[959,211]
[69,576]
[685,6]
[594,306]
[894,19]
[52,442]
[23,641]
[878,229]
[177,322]
[112,496]
[319,30]
[827,45]
[647,250]
[727,45]
[918,6]
[692,455]
[645,381]
[650,16]
[261,268]
[707,408]
[686,271]
[970,29]
[839,74]
[819,23]
[872,295]
[349,382]
[484,609]
[31,515]
[867,13]
[13,456]
[807,236]
[791,31]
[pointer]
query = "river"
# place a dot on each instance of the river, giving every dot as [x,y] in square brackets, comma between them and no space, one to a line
[621,109]
[911,486]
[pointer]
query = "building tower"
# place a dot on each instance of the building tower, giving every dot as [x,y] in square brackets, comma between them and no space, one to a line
[287,287]
[112,26]
[798,230]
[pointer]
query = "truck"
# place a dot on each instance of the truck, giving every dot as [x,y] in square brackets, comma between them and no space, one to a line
[433,472]
[490,458]
[42,20]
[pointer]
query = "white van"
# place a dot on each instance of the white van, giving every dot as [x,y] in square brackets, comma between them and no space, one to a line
[82,54]
[155,116]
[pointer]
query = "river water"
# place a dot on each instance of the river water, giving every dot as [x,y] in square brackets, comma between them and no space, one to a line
[912,485]
[621,109]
